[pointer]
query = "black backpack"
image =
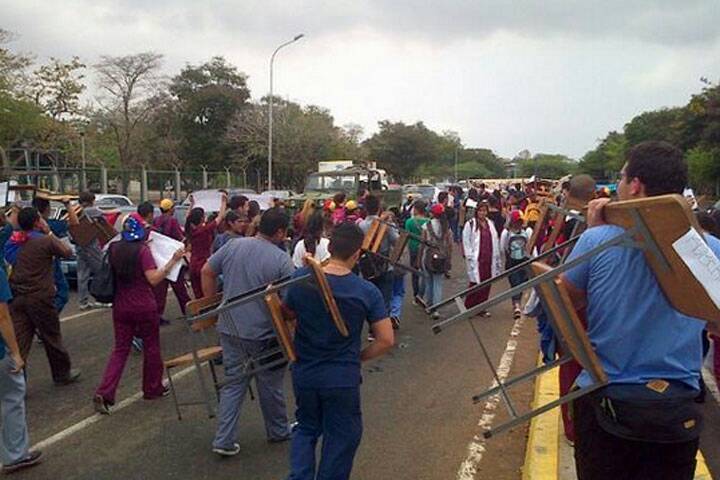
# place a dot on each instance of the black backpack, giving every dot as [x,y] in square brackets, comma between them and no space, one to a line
[102,282]
[436,257]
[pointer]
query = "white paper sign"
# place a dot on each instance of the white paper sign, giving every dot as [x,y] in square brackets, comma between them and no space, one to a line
[208,200]
[4,193]
[162,249]
[701,261]
[470,203]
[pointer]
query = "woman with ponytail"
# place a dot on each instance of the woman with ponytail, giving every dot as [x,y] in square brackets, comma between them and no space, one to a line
[199,236]
[313,242]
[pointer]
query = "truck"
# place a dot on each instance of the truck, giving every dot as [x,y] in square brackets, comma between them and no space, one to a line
[353,180]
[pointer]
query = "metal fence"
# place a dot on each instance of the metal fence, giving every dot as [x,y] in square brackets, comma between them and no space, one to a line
[137,184]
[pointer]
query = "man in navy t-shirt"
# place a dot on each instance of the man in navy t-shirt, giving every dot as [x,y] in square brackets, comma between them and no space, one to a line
[326,376]
[642,425]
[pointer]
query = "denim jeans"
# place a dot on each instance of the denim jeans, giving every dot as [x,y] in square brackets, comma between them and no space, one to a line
[15,442]
[333,414]
[418,281]
[384,283]
[433,288]
[398,295]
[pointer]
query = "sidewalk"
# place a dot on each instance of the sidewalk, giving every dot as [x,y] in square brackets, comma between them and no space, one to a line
[548,456]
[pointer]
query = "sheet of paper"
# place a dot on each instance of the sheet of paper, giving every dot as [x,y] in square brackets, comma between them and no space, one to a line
[162,249]
[208,200]
[4,193]
[701,261]
[470,203]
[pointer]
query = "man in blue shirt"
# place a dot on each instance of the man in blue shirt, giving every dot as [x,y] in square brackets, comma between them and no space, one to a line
[14,448]
[326,376]
[643,425]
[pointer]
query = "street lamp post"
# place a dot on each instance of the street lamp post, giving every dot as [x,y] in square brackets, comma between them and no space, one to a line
[456,164]
[83,176]
[270,107]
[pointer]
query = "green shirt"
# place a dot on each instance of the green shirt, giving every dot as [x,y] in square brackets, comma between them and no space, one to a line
[414,225]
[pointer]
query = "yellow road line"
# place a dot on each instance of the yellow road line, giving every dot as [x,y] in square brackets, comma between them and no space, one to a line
[541,454]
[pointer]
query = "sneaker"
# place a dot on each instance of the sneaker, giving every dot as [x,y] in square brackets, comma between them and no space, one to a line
[101,405]
[164,321]
[517,314]
[280,439]
[435,316]
[72,377]
[85,306]
[371,337]
[415,302]
[227,452]
[165,392]
[32,458]
[395,323]
[137,344]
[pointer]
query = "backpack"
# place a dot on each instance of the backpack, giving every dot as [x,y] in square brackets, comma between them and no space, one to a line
[102,282]
[436,258]
[371,267]
[517,245]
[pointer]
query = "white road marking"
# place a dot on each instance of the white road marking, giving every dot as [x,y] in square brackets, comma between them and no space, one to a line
[476,449]
[82,314]
[82,424]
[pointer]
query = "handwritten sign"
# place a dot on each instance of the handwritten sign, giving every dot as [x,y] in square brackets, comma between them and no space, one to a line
[162,249]
[208,200]
[701,261]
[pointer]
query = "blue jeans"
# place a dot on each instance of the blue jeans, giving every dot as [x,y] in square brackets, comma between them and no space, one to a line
[269,387]
[398,295]
[433,287]
[15,441]
[333,414]
[385,284]
[62,289]
[418,282]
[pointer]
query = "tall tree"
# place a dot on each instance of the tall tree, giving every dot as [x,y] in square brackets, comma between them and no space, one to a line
[546,166]
[127,84]
[209,97]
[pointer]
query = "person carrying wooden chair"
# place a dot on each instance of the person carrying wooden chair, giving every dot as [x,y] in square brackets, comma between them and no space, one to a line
[644,423]
[326,375]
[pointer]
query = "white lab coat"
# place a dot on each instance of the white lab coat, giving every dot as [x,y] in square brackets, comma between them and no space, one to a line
[471,248]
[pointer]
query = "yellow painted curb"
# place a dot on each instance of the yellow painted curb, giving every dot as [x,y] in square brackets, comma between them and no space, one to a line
[541,454]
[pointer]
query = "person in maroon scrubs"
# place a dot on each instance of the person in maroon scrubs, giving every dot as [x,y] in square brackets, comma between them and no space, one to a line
[199,236]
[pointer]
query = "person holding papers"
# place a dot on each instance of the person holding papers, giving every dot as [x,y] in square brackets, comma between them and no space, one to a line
[134,312]
[199,236]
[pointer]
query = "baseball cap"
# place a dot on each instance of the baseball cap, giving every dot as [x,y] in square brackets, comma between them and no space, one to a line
[166,204]
[351,205]
[437,210]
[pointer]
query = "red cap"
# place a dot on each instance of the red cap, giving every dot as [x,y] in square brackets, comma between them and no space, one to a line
[515,216]
[437,210]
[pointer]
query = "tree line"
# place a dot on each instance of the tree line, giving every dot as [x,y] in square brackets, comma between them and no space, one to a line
[204,116]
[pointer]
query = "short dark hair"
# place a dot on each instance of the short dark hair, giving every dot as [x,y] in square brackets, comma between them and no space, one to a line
[442,196]
[253,208]
[708,223]
[346,239]
[273,220]
[86,197]
[660,166]
[581,187]
[145,209]
[232,217]
[27,218]
[237,201]
[42,204]
[419,206]
[372,204]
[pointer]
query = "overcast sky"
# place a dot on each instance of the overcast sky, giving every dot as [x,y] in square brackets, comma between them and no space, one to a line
[550,76]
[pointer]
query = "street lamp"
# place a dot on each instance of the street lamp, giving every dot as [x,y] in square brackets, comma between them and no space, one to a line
[83,176]
[270,107]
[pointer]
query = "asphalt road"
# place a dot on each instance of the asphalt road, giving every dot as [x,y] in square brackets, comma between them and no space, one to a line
[419,420]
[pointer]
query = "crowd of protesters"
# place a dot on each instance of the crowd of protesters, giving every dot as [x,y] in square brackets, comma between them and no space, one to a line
[492,229]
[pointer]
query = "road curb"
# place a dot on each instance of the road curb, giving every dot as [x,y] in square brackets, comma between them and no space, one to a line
[542,454]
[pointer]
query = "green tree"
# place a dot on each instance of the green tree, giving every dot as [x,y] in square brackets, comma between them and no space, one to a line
[607,159]
[704,169]
[209,96]
[57,86]
[546,166]
[664,124]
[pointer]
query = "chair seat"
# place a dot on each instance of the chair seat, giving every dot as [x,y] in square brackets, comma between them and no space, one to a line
[204,354]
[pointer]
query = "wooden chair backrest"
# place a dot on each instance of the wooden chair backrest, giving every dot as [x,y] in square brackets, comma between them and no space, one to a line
[568,323]
[282,328]
[195,307]
[327,295]
[668,217]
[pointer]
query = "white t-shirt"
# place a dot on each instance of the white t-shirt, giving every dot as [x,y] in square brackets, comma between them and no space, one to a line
[321,252]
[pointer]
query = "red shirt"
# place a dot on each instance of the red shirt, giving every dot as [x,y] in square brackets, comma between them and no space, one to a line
[136,295]
[201,240]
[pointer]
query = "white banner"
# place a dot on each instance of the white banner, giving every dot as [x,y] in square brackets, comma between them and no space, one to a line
[163,248]
[701,261]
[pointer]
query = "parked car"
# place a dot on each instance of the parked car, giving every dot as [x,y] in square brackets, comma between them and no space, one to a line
[281,194]
[107,201]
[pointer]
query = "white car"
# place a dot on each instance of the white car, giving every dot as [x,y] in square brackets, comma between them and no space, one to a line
[106,201]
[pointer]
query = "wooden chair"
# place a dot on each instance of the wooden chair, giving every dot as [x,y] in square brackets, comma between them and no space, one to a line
[198,355]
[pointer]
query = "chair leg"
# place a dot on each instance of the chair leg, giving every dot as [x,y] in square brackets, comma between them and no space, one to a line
[215,381]
[174,395]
